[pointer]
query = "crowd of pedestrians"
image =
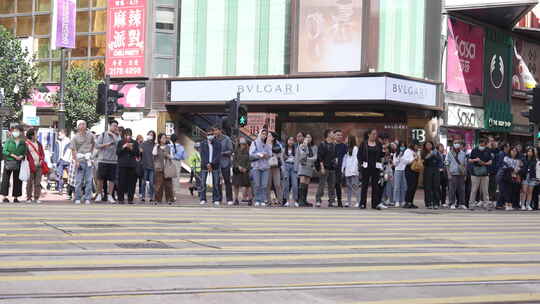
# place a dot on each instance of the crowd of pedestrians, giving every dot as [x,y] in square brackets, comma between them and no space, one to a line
[112,166]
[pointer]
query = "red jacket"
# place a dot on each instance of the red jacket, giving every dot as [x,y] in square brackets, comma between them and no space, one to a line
[31,163]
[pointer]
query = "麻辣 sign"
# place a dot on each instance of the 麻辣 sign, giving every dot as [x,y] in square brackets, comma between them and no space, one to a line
[126,37]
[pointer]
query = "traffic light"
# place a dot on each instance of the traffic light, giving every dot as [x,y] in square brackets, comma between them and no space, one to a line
[242,116]
[533,101]
[231,110]
[108,99]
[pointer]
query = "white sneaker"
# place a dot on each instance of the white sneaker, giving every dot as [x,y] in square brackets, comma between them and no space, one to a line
[77,202]
[453,207]
[463,207]
[382,206]
[38,202]
[230,203]
[98,198]
[216,203]
[286,204]
[508,208]
[263,204]
[257,204]
[347,205]
[318,204]
[87,202]
[356,205]
[445,205]
[529,208]
[523,208]
[397,205]
[203,203]
[296,205]
[111,199]
[29,201]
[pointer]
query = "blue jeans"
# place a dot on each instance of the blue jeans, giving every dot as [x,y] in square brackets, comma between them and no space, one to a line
[216,185]
[260,184]
[60,167]
[83,177]
[290,180]
[149,176]
[400,186]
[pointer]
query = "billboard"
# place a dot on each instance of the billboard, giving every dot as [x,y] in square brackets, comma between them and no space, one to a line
[526,69]
[498,67]
[134,94]
[63,24]
[42,96]
[465,58]
[329,35]
[126,37]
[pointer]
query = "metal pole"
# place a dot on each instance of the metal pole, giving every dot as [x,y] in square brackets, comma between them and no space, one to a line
[61,105]
[107,85]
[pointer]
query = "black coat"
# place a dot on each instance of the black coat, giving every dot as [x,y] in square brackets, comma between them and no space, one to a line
[363,154]
[216,154]
[529,167]
[127,157]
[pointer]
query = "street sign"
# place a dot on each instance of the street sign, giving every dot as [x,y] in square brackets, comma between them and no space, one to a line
[31,120]
[132,116]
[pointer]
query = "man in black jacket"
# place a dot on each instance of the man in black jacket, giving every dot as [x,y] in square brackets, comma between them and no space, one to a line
[210,163]
[327,159]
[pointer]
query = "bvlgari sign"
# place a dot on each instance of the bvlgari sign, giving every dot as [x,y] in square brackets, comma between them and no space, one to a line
[306,89]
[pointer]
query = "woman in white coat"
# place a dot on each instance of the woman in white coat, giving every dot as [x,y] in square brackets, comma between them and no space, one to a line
[403,157]
[351,172]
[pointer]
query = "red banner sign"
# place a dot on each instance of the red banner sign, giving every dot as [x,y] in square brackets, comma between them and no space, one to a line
[126,23]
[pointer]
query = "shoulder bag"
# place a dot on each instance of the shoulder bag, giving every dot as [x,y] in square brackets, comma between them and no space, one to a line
[417,165]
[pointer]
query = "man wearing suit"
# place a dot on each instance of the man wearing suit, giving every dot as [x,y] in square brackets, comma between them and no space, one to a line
[210,163]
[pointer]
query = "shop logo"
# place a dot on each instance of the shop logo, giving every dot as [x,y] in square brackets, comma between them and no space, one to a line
[496,71]
[466,49]
[466,118]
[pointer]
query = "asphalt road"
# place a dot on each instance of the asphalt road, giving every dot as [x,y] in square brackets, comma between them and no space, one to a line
[62,253]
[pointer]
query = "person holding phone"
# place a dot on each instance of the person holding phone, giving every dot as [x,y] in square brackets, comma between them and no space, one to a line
[260,152]
[210,164]
[128,151]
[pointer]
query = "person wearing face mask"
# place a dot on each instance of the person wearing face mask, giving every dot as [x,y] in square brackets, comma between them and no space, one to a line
[481,160]
[14,151]
[36,161]
[402,158]
[61,157]
[259,153]
[127,150]
[147,162]
[455,164]
[210,164]
[443,174]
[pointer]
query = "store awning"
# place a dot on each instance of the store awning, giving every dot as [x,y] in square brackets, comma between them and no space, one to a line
[500,13]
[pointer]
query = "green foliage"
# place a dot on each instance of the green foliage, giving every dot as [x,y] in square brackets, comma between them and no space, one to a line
[80,96]
[18,75]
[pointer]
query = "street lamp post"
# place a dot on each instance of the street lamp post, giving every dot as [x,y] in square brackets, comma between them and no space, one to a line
[61,105]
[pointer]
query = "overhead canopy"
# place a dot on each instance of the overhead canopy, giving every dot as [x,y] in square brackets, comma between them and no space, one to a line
[500,13]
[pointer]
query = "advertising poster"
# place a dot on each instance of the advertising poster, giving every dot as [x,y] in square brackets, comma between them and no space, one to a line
[465,58]
[330,35]
[42,96]
[126,35]
[526,61]
[134,94]
[498,67]
[63,24]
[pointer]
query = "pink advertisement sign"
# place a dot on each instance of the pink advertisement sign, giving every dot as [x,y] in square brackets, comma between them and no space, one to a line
[42,96]
[134,94]
[465,58]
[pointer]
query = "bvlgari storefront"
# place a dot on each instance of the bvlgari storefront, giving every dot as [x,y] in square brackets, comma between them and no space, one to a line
[352,102]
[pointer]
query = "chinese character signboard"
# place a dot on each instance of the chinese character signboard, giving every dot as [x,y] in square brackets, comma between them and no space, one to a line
[63,24]
[126,36]
[465,58]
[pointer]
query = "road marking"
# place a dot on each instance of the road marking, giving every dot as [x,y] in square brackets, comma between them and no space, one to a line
[258,271]
[491,298]
[245,258]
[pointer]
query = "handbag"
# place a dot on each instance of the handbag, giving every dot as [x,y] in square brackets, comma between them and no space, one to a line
[12,165]
[479,171]
[24,173]
[273,161]
[417,165]
[169,169]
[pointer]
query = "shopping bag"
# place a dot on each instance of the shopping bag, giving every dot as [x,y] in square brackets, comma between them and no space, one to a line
[24,173]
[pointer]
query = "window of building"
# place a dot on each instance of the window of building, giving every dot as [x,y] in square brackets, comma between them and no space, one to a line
[401,34]
[43,71]
[24,26]
[43,5]
[56,71]
[41,48]
[98,66]
[24,6]
[163,66]
[8,23]
[7,6]
[165,44]
[81,47]
[99,21]
[83,22]
[42,25]
[83,63]
[83,3]
[98,45]
[165,19]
